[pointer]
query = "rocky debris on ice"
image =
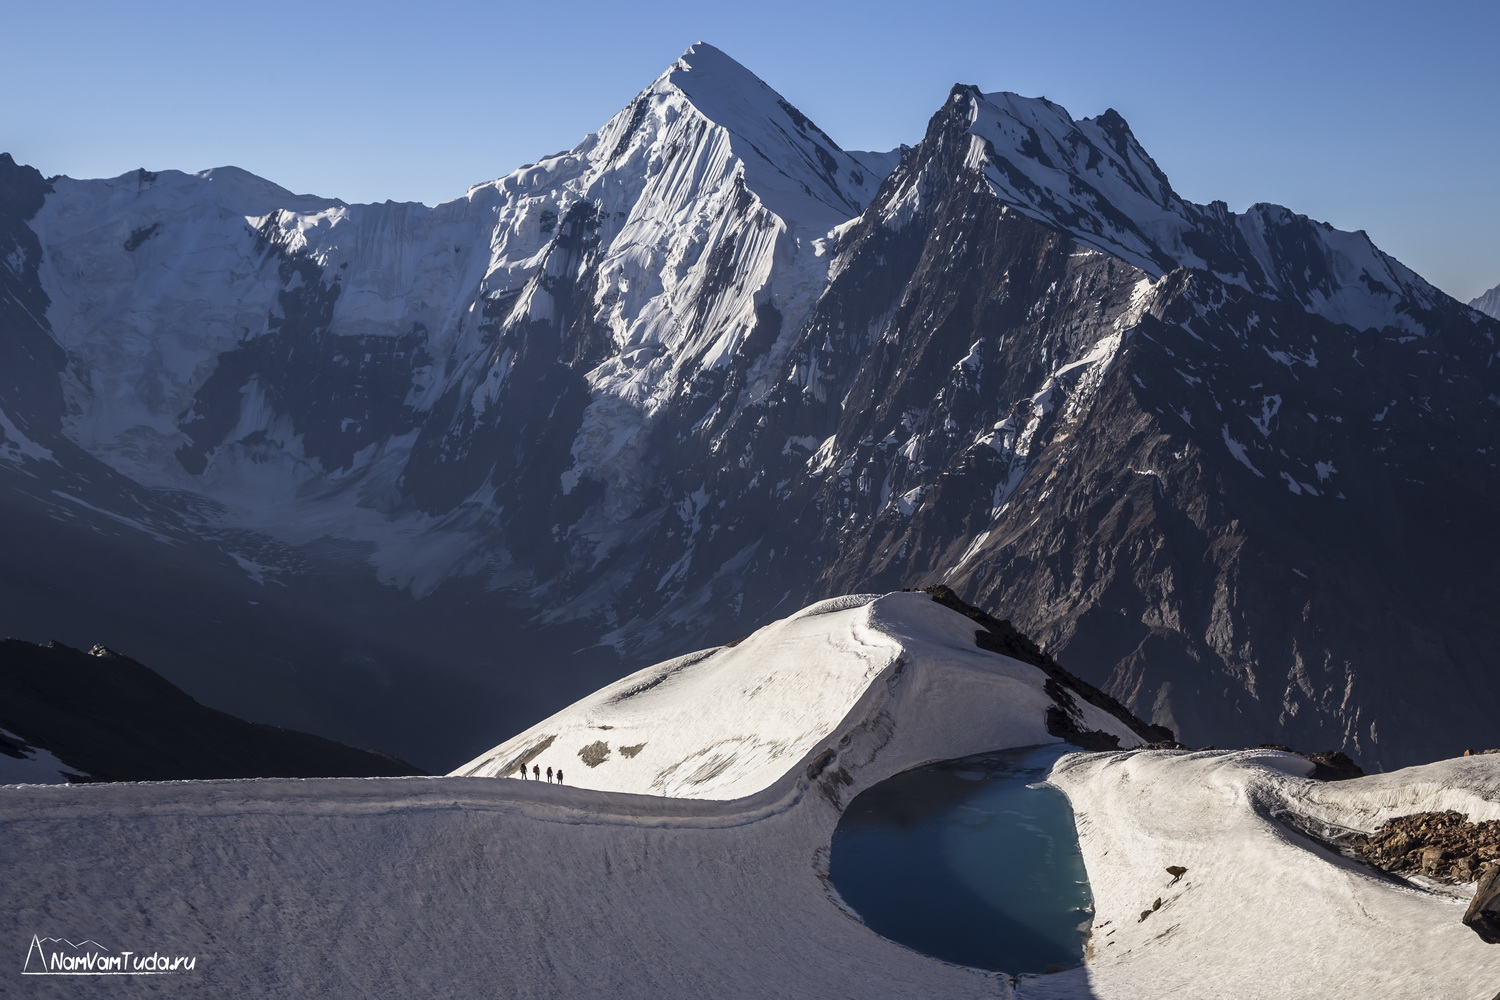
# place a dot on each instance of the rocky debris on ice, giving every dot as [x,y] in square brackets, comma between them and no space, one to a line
[1439,845]
[998,635]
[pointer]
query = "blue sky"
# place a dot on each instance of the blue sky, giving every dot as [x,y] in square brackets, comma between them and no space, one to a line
[1373,115]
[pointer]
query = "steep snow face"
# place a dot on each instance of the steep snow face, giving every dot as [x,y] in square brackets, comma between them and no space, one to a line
[792,165]
[710,192]
[1489,302]
[152,277]
[730,722]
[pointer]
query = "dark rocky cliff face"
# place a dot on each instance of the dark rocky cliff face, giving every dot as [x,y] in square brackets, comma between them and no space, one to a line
[1233,469]
[1250,520]
[1337,567]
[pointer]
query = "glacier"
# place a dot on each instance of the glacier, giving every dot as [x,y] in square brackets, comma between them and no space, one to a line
[469,885]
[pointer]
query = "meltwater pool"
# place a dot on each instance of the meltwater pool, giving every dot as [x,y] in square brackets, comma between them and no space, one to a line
[970,861]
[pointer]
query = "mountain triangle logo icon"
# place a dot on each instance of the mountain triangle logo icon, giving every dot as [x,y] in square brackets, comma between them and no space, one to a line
[55,956]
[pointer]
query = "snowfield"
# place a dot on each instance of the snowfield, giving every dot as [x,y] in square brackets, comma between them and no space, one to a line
[727,723]
[470,886]
[1262,911]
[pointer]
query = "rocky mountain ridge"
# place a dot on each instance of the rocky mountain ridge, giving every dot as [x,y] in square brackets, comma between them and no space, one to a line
[106,717]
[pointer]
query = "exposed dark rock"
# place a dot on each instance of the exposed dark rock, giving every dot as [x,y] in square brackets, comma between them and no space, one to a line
[1176,871]
[1063,719]
[113,719]
[1329,765]
[595,753]
[818,764]
[1335,765]
[140,235]
[1064,725]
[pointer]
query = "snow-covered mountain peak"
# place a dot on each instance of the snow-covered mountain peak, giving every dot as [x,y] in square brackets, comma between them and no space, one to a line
[234,183]
[1088,177]
[1092,179]
[710,67]
[791,164]
[1489,302]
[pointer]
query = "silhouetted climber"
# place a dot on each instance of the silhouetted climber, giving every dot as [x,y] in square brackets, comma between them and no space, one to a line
[523,772]
[549,775]
[559,776]
[536,771]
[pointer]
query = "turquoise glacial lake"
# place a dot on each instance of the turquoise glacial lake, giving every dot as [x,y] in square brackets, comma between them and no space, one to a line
[971,861]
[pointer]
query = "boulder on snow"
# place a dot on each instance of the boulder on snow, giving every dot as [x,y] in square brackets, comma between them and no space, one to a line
[1483,914]
[1334,765]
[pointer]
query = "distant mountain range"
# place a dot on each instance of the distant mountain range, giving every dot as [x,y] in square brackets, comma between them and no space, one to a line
[415,476]
[1489,302]
[70,715]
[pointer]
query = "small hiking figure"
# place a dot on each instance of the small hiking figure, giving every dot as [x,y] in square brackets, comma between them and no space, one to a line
[559,776]
[523,772]
[549,775]
[536,771]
